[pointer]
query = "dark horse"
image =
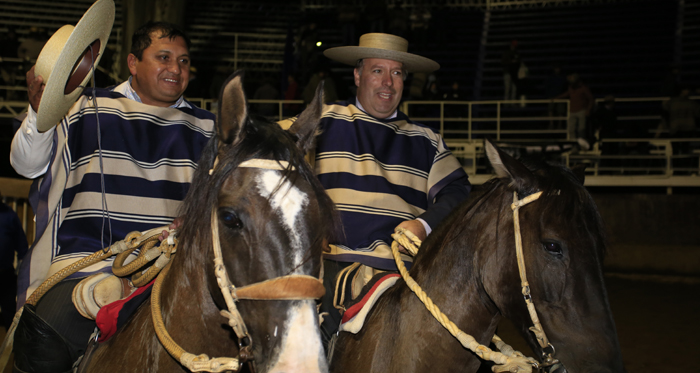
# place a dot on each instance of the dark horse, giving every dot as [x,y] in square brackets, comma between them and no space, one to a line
[272,222]
[468,267]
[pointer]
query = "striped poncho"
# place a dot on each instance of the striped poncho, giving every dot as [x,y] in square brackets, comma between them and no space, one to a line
[380,173]
[149,155]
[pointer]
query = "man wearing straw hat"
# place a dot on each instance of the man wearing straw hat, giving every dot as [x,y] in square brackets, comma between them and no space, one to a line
[121,160]
[381,169]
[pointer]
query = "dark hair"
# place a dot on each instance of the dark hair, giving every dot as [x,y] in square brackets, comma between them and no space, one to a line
[142,37]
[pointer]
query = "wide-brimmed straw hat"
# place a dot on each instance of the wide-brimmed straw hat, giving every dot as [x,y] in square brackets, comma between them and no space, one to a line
[385,46]
[67,58]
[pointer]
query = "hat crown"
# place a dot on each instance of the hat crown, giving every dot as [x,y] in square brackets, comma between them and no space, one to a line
[384,41]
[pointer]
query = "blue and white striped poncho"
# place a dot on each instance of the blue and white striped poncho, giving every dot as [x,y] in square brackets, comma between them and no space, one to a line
[149,155]
[380,173]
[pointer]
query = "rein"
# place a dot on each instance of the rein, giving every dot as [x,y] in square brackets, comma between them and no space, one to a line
[288,287]
[509,360]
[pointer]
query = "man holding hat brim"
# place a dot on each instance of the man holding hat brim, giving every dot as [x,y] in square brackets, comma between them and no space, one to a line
[381,169]
[120,160]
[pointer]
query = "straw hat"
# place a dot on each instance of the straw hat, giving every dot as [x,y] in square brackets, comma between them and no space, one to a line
[385,46]
[66,60]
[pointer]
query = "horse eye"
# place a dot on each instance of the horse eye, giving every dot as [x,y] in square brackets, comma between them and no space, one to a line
[230,219]
[552,248]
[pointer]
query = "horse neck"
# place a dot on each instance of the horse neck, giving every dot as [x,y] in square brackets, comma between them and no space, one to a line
[190,315]
[459,288]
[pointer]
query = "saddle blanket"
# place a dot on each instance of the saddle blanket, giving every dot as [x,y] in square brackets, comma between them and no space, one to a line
[354,316]
[113,316]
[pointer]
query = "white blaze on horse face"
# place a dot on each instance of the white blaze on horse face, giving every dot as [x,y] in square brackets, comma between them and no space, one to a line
[288,201]
[300,349]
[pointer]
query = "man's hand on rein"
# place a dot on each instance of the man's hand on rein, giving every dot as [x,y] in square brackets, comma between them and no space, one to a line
[174,225]
[415,227]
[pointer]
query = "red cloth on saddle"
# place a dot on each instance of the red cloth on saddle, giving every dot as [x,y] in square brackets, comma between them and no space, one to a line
[354,316]
[112,316]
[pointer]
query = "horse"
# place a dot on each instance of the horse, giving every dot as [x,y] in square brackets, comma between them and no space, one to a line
[256,198]
[467,266]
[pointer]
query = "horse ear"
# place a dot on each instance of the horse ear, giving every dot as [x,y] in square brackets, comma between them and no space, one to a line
[507,167]
[304,128]
[232,109]
[579,171]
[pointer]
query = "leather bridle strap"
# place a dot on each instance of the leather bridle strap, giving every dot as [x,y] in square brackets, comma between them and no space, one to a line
[290,287]
[537,329]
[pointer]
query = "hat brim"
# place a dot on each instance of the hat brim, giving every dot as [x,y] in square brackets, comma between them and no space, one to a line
[95,25]
[411,62]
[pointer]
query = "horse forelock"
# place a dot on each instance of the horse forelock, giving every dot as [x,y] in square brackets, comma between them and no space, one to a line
[259,139]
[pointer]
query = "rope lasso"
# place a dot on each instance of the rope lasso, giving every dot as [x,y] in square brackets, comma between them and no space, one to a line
[131,242]
[515,362]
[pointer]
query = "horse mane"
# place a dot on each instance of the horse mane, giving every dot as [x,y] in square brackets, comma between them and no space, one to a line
[259,139]
[552,179]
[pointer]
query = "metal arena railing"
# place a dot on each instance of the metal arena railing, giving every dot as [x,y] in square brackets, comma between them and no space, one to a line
[641,155]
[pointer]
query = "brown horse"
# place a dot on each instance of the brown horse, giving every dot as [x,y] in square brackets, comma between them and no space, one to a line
[468,267]
[272,216]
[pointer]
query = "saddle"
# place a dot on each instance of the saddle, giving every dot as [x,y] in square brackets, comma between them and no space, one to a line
[354,317]
[367,284]
[98,290]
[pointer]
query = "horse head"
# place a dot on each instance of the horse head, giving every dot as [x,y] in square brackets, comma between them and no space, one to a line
[270,215]
[563,245]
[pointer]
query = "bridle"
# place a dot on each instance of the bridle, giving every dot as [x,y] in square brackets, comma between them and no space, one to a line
[288,287]
[548,350]
[508,360]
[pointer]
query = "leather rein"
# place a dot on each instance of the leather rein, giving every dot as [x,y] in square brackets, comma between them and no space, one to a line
[295,287]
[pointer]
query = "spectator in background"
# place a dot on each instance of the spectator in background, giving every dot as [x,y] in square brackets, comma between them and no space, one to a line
[670,86]
[329,92]
[580,105]
[307,49]
[523,84]
[604,124]
[292,93]
[432,92]
[12,240]
[682,115]
[266,91]
[510,62]
[555,85]
[454,94]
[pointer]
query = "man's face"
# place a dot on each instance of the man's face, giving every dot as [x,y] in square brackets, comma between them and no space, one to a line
[162,74]
[379,86]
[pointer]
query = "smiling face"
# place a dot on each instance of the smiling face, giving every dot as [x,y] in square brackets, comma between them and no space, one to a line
[162,74]
[379,86]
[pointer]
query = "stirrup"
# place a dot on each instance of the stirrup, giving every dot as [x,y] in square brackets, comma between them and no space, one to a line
[97,290]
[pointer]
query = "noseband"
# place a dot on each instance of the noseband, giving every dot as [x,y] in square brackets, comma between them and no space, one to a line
[289,287]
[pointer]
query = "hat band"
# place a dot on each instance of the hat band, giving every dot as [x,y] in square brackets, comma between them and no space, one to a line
[82,66]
